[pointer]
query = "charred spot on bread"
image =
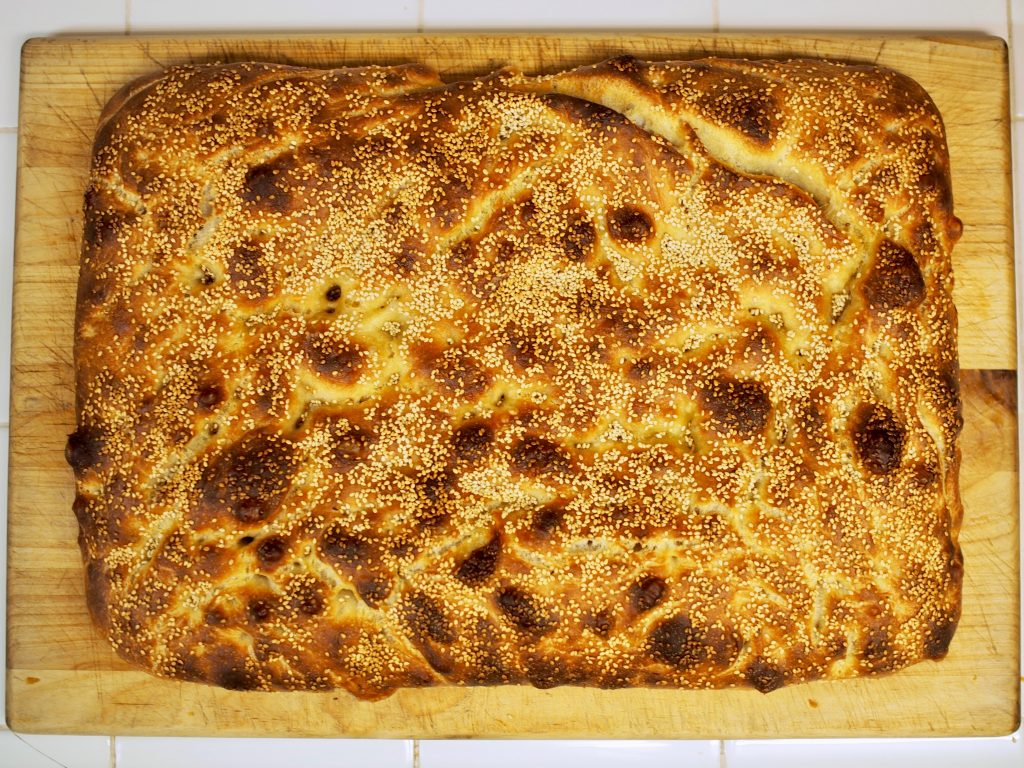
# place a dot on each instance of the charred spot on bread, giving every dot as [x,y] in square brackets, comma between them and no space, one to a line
[878,438]
[251,478]
[737,406]
[480,564]
[895,280]
[472,441]
[630,225]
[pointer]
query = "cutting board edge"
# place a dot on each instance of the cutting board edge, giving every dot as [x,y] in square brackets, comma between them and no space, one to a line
[997,723]
[42,48]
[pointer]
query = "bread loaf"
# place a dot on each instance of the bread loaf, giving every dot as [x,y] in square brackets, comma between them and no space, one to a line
[640,374]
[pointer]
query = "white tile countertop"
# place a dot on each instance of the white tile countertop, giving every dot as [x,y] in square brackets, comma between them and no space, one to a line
[21,19]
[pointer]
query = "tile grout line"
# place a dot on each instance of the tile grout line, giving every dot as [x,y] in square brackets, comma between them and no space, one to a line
[9,129]
[421,14]
[722,760]
[113,752]
[1009,46]
[416,742]
[715,14]
[34,748]
[127,17]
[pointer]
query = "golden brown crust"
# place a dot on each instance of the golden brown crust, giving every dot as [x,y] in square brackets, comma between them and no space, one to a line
[635,375]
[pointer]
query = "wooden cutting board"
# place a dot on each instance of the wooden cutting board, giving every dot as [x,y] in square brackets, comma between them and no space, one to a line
[61,675]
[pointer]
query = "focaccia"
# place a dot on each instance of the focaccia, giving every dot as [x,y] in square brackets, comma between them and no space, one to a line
[640,374]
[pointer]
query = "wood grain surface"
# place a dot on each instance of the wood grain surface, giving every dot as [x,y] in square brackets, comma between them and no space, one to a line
[61,675]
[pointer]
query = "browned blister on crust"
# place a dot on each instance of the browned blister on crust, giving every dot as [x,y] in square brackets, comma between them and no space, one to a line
[635,375]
